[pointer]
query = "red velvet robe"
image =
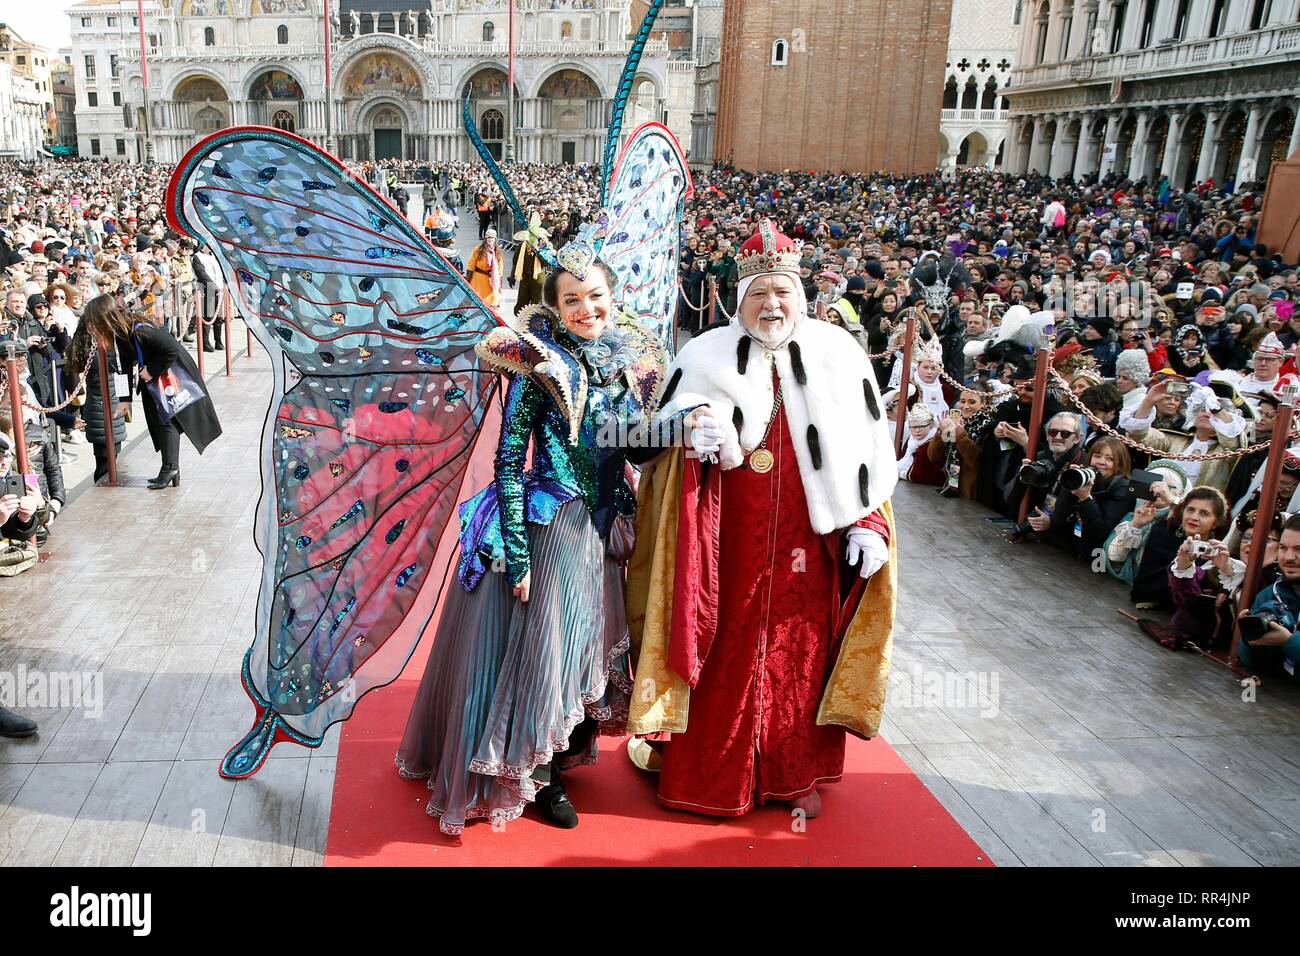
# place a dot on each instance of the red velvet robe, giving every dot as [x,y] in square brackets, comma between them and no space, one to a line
[761,640]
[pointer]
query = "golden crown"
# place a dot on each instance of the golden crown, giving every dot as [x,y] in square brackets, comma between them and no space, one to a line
[767,251]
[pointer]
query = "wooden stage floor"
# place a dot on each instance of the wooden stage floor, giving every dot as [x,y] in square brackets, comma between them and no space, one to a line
[1046,724]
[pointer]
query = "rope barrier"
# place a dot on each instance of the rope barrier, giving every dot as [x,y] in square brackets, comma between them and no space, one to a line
[81,387]
[1113,432]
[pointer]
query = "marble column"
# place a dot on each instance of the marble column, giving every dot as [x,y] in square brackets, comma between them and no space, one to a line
[1247,170]
[1062,148]
[1173,145]
[1137,154]
[1036,163]
[1295,130]
[1083,151]
[1209,144]
[1107,166]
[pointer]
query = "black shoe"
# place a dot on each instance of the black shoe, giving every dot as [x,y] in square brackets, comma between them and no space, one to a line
[168,476]
[209,347]
[555,808]
[16,725]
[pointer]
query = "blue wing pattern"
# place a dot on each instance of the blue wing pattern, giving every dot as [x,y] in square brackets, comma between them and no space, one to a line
[378,400]
[647,196]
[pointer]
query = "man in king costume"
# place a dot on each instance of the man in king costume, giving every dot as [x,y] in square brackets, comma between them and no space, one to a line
[761,591]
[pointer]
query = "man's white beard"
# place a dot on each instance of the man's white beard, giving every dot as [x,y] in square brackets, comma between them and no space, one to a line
[773,337]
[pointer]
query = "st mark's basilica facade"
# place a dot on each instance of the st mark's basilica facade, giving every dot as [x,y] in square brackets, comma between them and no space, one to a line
[400,72]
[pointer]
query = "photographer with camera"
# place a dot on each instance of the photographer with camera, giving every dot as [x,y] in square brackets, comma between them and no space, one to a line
[1269,643]
[1094,498]
[1216,427]
[1043,475]
[1201,578]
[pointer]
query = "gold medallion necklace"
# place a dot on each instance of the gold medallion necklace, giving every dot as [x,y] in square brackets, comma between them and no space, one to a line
[761,460]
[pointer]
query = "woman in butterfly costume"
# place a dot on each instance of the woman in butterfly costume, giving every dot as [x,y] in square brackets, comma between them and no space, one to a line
[528,666]
[386,367]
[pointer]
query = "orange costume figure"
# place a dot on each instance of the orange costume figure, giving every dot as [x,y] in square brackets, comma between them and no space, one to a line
[484,269]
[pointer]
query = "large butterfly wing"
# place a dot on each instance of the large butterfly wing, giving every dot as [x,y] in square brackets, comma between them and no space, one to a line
[648,191]
[378,400]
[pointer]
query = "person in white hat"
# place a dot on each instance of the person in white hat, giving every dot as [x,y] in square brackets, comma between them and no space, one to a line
[1265,374]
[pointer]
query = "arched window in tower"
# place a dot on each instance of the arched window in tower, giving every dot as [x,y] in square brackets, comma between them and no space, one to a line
[283,119]
[209,36]
[282,34]
[780,52]
[970,95]
[1218,18]
[489,29]
[493,125]
[1180,19]
[950,94]
[1067,23]
[990,98]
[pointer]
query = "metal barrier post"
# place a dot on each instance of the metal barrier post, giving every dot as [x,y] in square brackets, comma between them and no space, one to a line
[904,385]
[109,406]
[1264,514]
[14,384]
[225,319]
[1036,419]
[200,329]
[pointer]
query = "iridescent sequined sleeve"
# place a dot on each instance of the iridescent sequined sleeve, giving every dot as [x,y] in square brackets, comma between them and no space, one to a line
[523,401]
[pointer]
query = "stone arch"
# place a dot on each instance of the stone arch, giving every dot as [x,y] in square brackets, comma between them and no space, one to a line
[989,97]
[382,69]
[255,83]
[1277,127]
[970,95]
[387,43]
[485,91]
[378,117]
[185,78]
[973,150]
[559,68]
[950,94]
[1231,137]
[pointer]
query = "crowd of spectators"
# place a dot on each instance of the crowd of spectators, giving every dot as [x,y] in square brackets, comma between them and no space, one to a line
[1170,324]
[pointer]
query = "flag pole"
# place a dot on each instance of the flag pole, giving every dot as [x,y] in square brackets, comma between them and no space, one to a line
[144,74]
[510,88]
[329,89]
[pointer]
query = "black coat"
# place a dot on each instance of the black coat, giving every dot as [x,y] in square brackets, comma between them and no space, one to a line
[1097,516]
[160,351]
[93,410]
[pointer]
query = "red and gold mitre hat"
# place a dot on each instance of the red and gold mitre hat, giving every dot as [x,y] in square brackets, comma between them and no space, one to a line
[767,251]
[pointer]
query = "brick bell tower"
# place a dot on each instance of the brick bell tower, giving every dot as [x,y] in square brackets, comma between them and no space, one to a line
[834,85]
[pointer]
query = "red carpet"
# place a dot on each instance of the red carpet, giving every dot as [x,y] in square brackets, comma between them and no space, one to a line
[880,814]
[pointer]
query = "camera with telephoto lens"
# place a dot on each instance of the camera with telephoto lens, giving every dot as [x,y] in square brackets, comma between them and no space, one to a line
[1037,474]
[1075,478]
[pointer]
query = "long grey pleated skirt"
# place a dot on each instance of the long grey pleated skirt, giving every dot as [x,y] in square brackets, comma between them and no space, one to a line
[506,683]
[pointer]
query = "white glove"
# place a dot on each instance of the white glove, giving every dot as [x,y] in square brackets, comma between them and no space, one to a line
[706,436]
[869,546]
[1208,398]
